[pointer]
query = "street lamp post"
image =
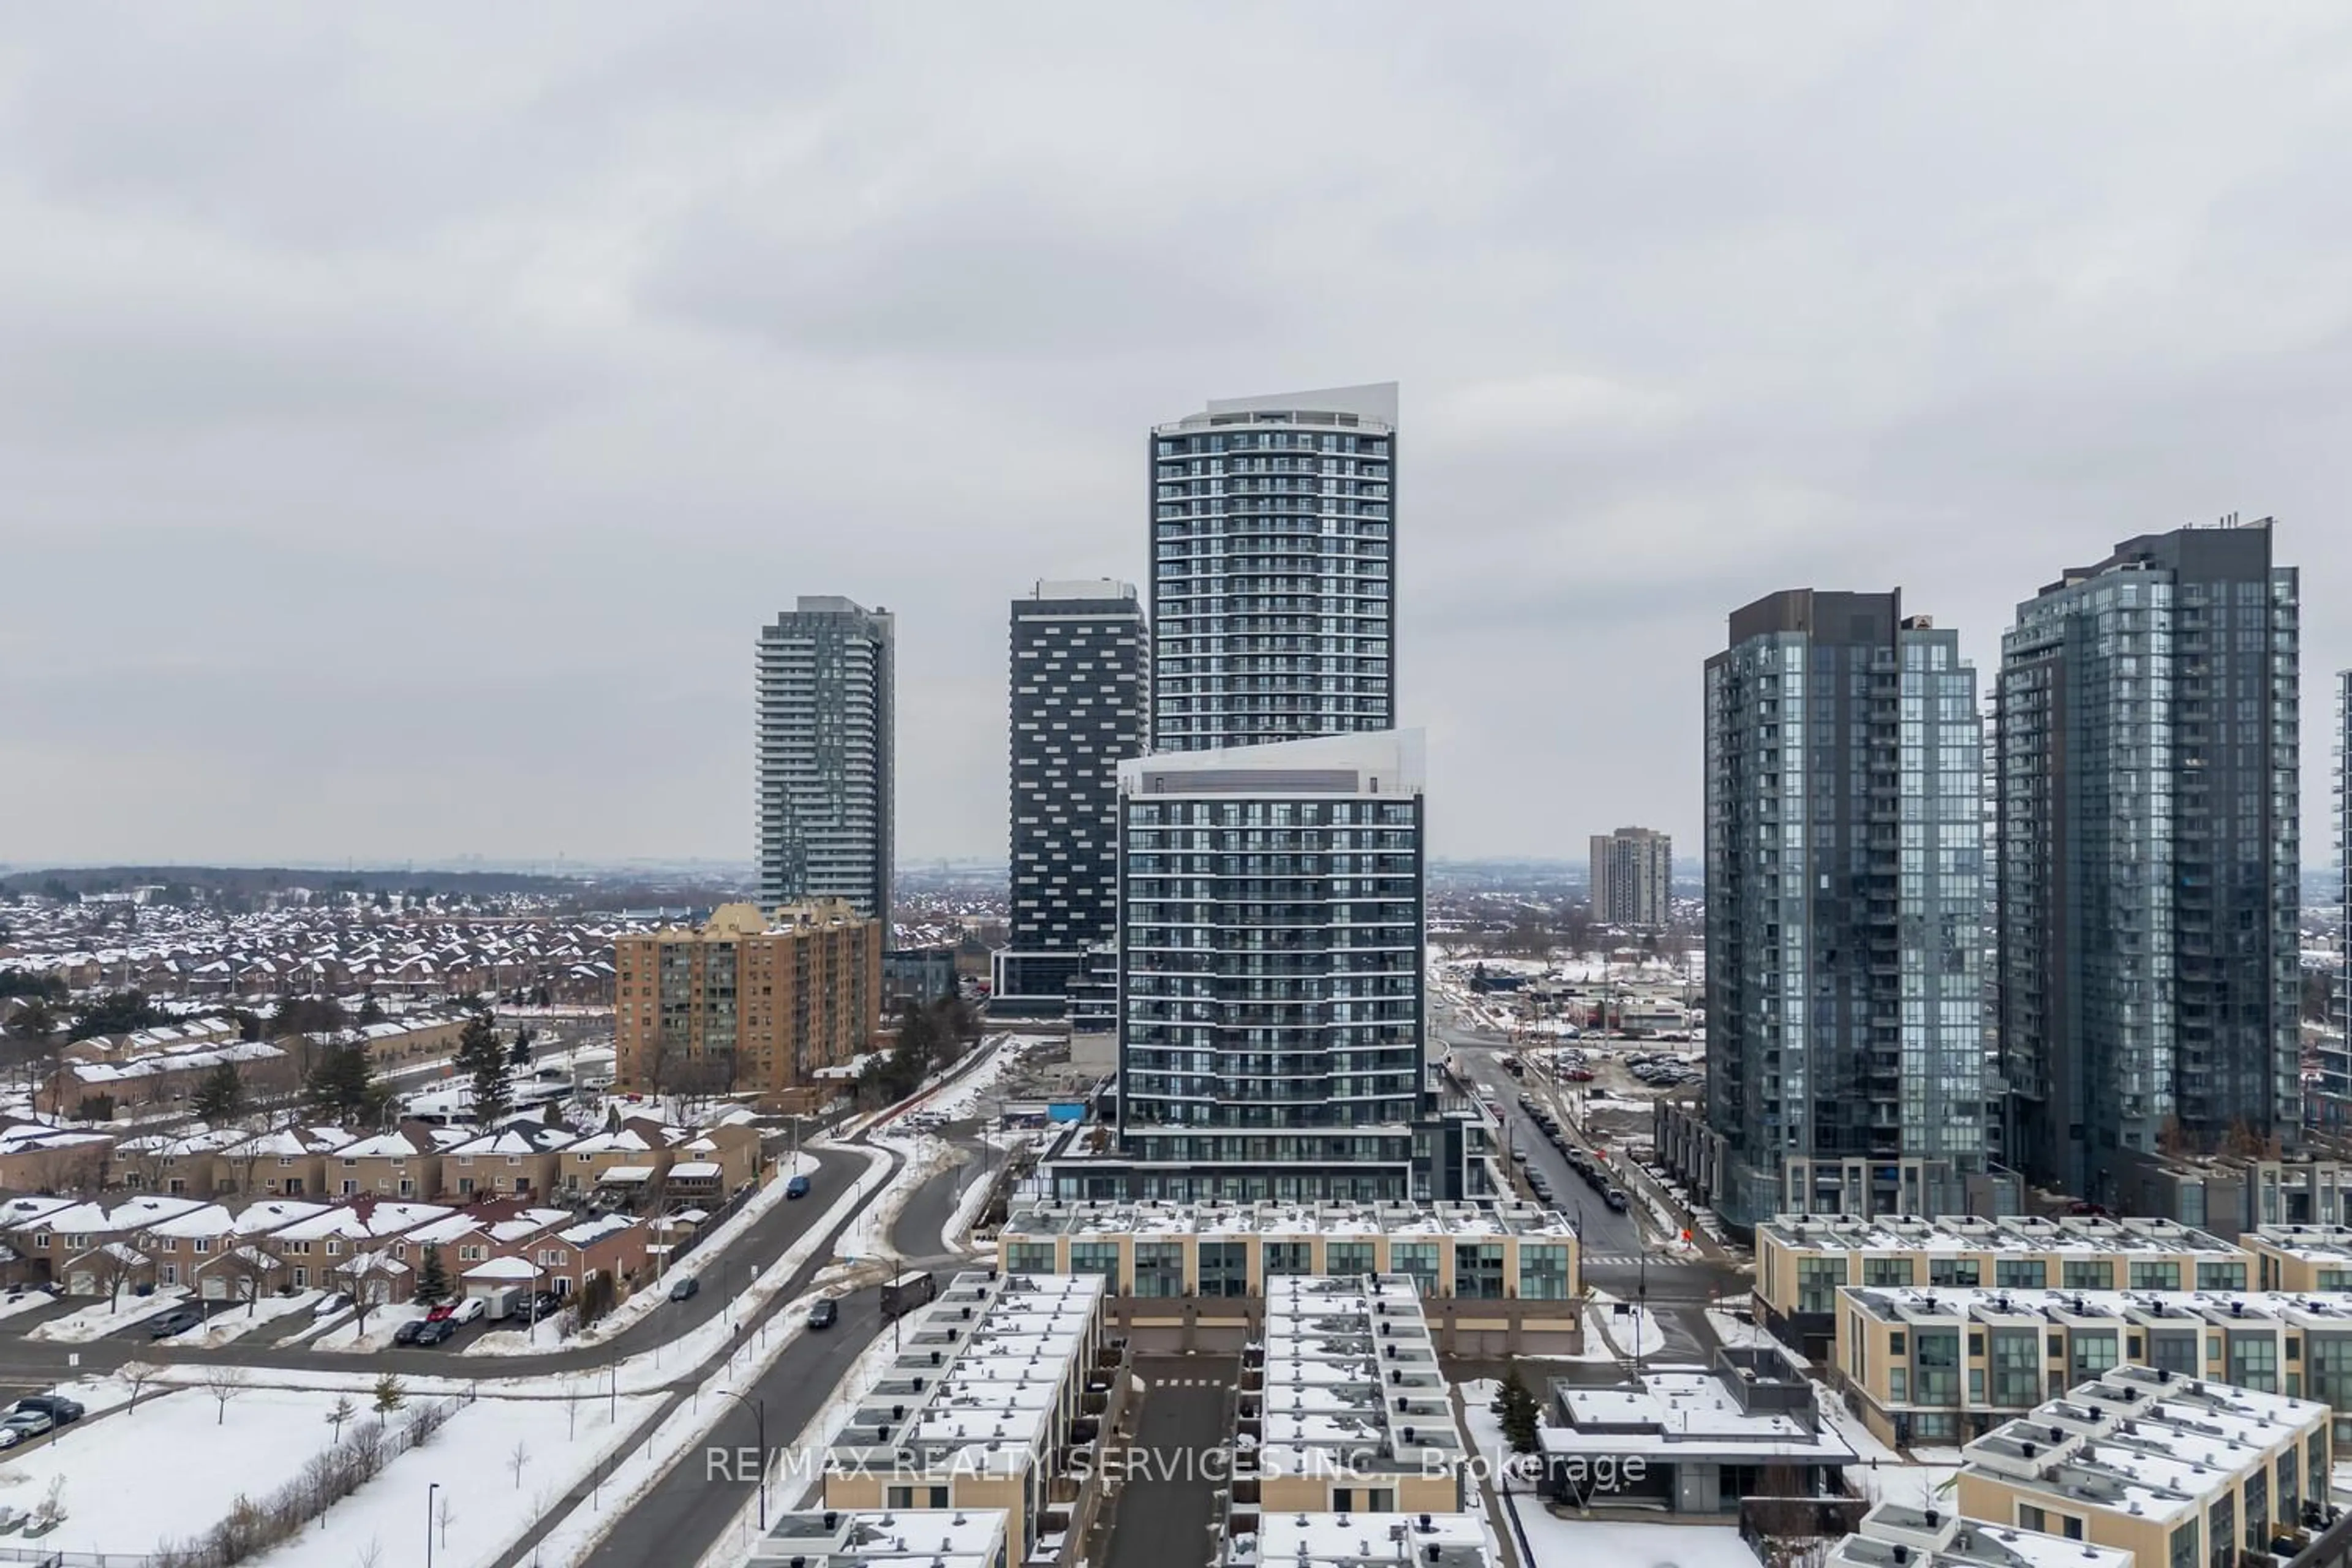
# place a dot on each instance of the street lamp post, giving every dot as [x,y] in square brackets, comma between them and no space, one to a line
[429,1493]
[760,1418]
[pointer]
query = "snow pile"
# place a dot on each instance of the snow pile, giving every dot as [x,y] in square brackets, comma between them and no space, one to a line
[103,1318]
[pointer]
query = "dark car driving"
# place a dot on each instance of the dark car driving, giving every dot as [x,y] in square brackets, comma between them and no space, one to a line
[824,1314]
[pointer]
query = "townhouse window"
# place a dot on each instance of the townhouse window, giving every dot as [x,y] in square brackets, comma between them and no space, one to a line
[76,1242]
[1818,1279]
[284,1161]
[41,1240]
[2020,1273]
[334,1249]
[2221,1276]
[200,1246]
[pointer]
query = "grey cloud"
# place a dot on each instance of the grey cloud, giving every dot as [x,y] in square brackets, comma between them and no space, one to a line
[447,400]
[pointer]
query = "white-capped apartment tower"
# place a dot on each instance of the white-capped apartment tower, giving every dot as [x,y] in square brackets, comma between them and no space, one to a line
[825,754]
[1273,550]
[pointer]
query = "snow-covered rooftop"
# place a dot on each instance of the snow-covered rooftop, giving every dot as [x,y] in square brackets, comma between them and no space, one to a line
[916,1538]
[1150,1216]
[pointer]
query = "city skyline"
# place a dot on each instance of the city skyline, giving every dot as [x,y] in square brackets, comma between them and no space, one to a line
[390,488]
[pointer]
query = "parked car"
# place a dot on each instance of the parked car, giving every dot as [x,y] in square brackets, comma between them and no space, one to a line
[684,1286]
[330,1303]
[824,1314]
[468,1311]
[433,1332]
[1616,1199]
[436,1314]
[543,1304]
[178,1321]
[56,1406]
[28,1423]
[797,1187]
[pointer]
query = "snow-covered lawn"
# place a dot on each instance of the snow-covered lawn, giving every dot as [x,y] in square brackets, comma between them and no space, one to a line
[473,1458]
[101,1319]
[170,1467]
[173,1467]
[232,1319]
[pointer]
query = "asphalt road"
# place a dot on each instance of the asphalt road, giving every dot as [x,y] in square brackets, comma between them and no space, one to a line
[770,1237]
[682,1517]
[1605,1232]
[1184,1431]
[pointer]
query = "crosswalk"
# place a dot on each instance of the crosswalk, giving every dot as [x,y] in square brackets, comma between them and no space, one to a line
[1189,1383]
[1611,1260]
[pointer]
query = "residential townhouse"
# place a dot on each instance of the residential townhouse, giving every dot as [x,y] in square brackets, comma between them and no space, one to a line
[982,1404]
[521,1159]
[2174,1470]
[37,1157]
[174,1163]
[289,1163]
[2302,1256]
[632,1156]
[404,1162]
[1937,1366]
[361,1245]
[89,1247]
[1802,1261]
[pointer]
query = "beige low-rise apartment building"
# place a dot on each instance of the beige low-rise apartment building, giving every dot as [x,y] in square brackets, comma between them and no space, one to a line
[1500,1278]
[1342,1406]
[1802,1261]
[1939,1366]
[2176,1471]
[748,1002]
[982,1404]
[2302,1258]
[1922,1535]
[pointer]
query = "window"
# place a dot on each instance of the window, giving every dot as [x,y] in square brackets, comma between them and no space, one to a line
[2020,1273]
[2253,1362]
[1898,1385]
[2221,1276]
[1479,1270]
[1289,1257]
[1818,1279]
[1159,1268]
[1543,1272]
[2029,1517]
[1936,1375]
[1886,1273]
[2184,1546]
[1030,1258]
[1963,1273]
[1417,1258]
[1225,1268]
[2154,1274]
[1348,1258]
[2094,1354]
[2088,1274]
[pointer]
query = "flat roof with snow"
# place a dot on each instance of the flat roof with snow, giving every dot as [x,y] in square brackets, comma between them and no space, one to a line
[1351,1378]
[919,1537]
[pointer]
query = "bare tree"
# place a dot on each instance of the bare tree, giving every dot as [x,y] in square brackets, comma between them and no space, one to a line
[448,1513]
[370,1555]
[121,1260]
[251,1269]
[517,1461]
[138,1374]
[224,1384]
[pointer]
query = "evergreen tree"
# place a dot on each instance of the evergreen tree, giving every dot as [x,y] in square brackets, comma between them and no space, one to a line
[432,1279]
[220,1094]
[389,1396]
[520,1056]
[342,1084]
[371,1011]
[483,1061]
[1521,1412]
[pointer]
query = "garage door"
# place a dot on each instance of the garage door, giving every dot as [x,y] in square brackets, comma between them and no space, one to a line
[214,1288]
[81,1284]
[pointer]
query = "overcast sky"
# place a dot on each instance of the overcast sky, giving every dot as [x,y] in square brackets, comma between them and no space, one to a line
[408,417]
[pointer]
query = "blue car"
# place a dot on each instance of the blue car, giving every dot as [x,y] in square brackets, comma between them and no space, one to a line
[797,1187]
